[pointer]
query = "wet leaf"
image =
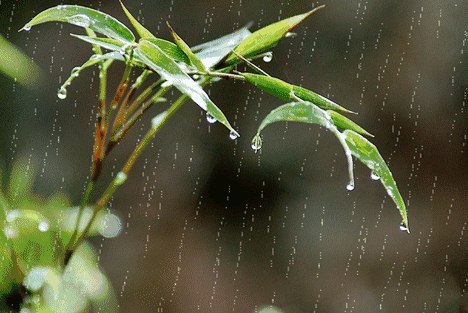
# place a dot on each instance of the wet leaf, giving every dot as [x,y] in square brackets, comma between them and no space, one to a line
[211,53]
[305,112]
[367,153]
[171,49]
[84,17]
[288,92]
[344,123]
[106,43]
[194,60]
[161,63]
[141,30]
[267,37]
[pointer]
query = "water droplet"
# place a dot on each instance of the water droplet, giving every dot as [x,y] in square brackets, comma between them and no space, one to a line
[167,83]
[256,143]
[95,57]
[120,178]
[233,135]
[350,187]
[62,93]
[374,176]
[43,226]
[403,227]
[196,77]
[268,57]
[210,118]
[290,35]
[79,20]
[27,27]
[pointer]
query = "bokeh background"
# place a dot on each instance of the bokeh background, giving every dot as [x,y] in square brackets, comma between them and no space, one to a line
[209,226]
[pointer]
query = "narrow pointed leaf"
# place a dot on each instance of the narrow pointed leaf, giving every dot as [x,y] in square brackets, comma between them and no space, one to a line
[157,60]
[84,17]
[367,153]
[268,37]
[344,123]
[186,49]
[211,53]
[288,92]
[171,49]
[307,112]
[141,30]
[106,43]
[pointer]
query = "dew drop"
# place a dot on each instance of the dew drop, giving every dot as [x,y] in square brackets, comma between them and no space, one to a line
[233,135]
[350,187]
[95,57]
[27,27]
[403,227]
[268,57]
[62,93]
[43,226]
[256,143]
[290,35]
[210,118]
[79,20]
[374,176]
[196,77]
[120,178]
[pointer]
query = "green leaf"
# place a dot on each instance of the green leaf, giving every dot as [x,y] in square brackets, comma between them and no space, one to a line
[15,64]
[171,49]
[169,70]
[186,49]
[306,112]
[84,17]
[21,181]
[288,92]
[141,30]
[344,123]
[368,154]
[268,37]
[106,43]
[211,53]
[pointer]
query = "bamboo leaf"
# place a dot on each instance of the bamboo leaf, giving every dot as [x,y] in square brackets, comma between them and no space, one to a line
[267,37]
[106,43]
[288,92]
[186,49]
[169,70]
[344,123]
[305,112]
[141,30]
[171,49]
[84,17]
[211,53]
[368,154]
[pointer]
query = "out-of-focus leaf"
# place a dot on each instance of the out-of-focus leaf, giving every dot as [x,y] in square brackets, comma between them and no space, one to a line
[305,112]
[367,153]
[16,65]
[7,278]
[141,30]
[84,17]
[157,60]
[268,37]
[289,92]
[21,180]
[186,49]
[213,52]
[343,123]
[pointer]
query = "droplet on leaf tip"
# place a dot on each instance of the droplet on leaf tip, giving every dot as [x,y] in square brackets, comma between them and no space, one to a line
[233,135]
[256,143]
[210,118]
[62,93]
[403,227]
[268,57]
[374,176]
[350,187]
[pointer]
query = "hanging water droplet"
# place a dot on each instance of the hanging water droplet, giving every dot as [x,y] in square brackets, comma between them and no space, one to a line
[350,187]
[290,35]
[95,57]
[374,176]
[196,77]
[62,93]
[268,57]
[43,226]
[167,83]
[233,135]
[27,27]
[120,178]
[210,118]
[403,227]
[256,143]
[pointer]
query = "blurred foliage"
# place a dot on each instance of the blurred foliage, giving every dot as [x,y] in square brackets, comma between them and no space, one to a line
[34,232]
[14,64]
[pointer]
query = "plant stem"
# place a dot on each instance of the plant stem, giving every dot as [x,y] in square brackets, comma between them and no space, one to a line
[122,175]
